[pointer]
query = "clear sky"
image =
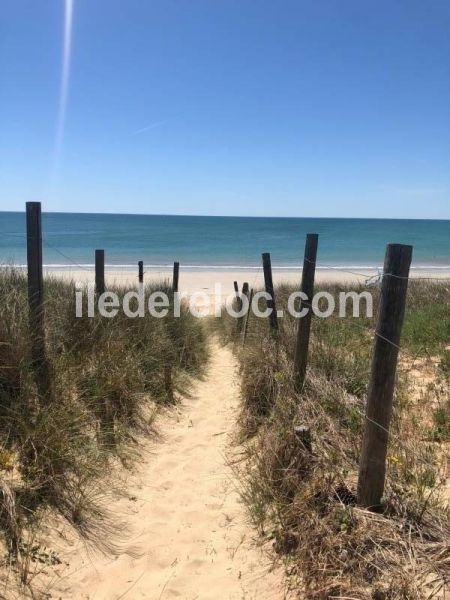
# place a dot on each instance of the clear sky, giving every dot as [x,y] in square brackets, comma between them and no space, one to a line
[237,107]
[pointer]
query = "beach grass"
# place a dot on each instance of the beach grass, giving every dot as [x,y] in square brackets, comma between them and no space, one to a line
[107,380]
[304,498]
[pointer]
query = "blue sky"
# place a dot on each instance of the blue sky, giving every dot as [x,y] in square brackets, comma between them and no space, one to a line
[237,107]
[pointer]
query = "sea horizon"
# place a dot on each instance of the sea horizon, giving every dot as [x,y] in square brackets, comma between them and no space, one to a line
[201,242]
[137,214]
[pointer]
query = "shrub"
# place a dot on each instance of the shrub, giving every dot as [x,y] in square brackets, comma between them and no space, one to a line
[305,498]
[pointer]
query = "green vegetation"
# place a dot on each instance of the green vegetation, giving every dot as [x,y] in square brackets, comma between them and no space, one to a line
[305,499]
[107,379]
[441,429]
[427,324]
[445,362]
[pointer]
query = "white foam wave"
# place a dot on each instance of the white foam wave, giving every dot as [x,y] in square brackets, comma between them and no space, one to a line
[127,266]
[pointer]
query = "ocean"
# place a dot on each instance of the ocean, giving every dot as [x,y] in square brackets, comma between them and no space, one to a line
[70,239]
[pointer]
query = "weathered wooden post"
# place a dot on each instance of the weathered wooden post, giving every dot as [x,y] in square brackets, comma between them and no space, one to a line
[176,274]
[268,282]
[141,271]
[237,299]
[237,302]
[240,320]
[247,317]
[304,323]
[99,272]
[36,296]
[372,466]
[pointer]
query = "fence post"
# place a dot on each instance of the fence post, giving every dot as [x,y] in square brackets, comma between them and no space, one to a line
[36,296]
[268,281]
[240,320]
[304,323]
[372,466]
[99,272]
[237,298]
[247,317]
[176,274]
[141,271]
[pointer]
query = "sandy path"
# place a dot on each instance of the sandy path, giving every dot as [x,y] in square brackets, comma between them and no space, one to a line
[187,522]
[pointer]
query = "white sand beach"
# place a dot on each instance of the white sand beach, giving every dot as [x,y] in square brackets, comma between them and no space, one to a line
[195,281]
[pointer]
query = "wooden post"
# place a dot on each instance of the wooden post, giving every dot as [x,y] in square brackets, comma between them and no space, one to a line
[176,272]
[247,317]
[36,296]
[304,323]
[237,302]
[267,267]
[372,466]
[240,320]
[99,272]
[236,293]
[141,271]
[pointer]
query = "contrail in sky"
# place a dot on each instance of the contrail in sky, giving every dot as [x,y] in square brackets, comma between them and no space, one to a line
[65,72]
[152,126]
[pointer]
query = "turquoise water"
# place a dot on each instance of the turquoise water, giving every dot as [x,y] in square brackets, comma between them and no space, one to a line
[222,242]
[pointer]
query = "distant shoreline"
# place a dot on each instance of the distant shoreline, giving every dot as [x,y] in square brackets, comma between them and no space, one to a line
[434,269]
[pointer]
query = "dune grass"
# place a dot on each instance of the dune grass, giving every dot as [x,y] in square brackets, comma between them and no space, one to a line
[305,498]
[108,377]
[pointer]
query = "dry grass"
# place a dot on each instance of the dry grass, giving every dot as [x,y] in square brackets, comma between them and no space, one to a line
[306,499]
[108,377]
